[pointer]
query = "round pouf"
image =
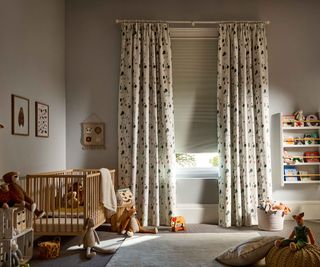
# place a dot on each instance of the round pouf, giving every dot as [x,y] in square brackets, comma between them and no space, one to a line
[309,256]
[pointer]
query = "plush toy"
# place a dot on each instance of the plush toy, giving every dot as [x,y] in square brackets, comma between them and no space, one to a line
[178,223]
[90,238]
[78,188]
[124,200]
[16,254]
[6,200]
[72,201]
[18,195]
[129,224]
[298,237]
[299,117]
[287,158]
[282,207]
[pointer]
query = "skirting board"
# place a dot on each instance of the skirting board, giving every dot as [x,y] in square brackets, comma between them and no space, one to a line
[198,213]
[311,209]
[208,213]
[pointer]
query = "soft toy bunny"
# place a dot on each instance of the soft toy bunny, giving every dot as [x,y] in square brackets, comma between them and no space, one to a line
[18,195]
[298,237]
[16,254]
[90,238]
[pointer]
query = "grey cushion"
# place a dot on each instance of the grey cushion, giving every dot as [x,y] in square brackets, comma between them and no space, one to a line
[248,252]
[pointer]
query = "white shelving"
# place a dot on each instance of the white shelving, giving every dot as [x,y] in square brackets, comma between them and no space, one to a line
[293,147]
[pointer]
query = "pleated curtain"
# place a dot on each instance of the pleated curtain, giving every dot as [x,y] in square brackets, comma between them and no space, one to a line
[146,123]
[243,123]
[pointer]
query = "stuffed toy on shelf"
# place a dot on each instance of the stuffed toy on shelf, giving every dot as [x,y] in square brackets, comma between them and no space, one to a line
[18,195]
[299,236]
[299,118]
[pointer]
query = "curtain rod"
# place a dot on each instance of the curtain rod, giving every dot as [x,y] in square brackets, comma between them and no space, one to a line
[193,23]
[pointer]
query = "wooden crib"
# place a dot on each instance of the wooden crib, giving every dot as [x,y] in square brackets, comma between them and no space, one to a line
[66,216]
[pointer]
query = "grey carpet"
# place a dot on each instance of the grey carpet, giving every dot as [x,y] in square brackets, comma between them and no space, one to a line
[70,258]
[176,250]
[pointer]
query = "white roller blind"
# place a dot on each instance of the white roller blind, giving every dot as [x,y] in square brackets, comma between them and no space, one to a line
[194,60]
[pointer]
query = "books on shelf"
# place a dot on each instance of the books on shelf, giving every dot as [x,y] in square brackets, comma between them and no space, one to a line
[290,173]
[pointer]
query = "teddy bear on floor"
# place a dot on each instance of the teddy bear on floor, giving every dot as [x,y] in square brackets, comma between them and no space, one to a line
[18,195]
[299,236]
[129,224]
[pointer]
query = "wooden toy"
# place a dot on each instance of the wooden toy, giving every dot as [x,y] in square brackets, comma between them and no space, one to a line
[178,223]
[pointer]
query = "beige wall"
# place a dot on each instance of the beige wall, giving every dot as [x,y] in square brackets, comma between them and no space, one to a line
[32,64]
[93,52]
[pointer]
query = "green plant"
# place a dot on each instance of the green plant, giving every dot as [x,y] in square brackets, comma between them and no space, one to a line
[215,161]
[185,160]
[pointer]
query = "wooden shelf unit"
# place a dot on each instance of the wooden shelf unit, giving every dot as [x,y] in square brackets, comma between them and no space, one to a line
[293,142]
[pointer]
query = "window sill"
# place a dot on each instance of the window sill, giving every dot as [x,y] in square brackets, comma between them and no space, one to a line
[197,173]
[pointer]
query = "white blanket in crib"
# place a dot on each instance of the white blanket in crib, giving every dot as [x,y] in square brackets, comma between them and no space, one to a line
[109,198]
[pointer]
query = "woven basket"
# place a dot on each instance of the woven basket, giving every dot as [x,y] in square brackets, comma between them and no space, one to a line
[270,221]
[308,256]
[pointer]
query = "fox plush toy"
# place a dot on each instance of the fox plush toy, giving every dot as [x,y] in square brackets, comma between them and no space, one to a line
[299,236]
[129,224]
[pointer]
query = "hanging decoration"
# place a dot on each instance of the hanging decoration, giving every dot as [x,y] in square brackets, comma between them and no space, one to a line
[93,133]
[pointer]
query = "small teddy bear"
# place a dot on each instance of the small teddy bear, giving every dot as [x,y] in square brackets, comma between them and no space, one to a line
[72,201]
[299,236]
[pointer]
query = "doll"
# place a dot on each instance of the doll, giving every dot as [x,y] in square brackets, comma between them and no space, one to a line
[299,236]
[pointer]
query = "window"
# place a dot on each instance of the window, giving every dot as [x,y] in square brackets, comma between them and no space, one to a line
[194,59]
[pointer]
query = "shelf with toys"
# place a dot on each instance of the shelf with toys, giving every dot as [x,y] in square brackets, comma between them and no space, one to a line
[300,148]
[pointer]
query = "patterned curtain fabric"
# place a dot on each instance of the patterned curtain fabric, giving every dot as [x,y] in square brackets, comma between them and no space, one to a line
[146,121]
[243,123]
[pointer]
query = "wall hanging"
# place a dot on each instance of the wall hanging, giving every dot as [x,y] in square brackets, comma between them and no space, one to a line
[42,120]
[93,133]
[20,115]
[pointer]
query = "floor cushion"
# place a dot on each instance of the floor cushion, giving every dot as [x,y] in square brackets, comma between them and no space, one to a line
[308,256]
[248,252]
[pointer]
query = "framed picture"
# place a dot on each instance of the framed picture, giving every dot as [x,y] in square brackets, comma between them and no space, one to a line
[42,120]
[92,135]
[19,115]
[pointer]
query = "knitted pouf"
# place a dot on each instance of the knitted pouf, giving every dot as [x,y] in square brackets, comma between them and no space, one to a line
[308,256]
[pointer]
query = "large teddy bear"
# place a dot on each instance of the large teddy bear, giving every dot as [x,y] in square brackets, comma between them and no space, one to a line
[18,195]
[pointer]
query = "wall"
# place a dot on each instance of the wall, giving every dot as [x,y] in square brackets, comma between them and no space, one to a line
[93,53]
[32,64]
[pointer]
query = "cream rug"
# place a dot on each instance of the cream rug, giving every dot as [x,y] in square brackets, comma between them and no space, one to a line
[176,249]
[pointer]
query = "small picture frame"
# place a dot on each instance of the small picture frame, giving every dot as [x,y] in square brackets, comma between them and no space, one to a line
[42,119]
[19,115]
